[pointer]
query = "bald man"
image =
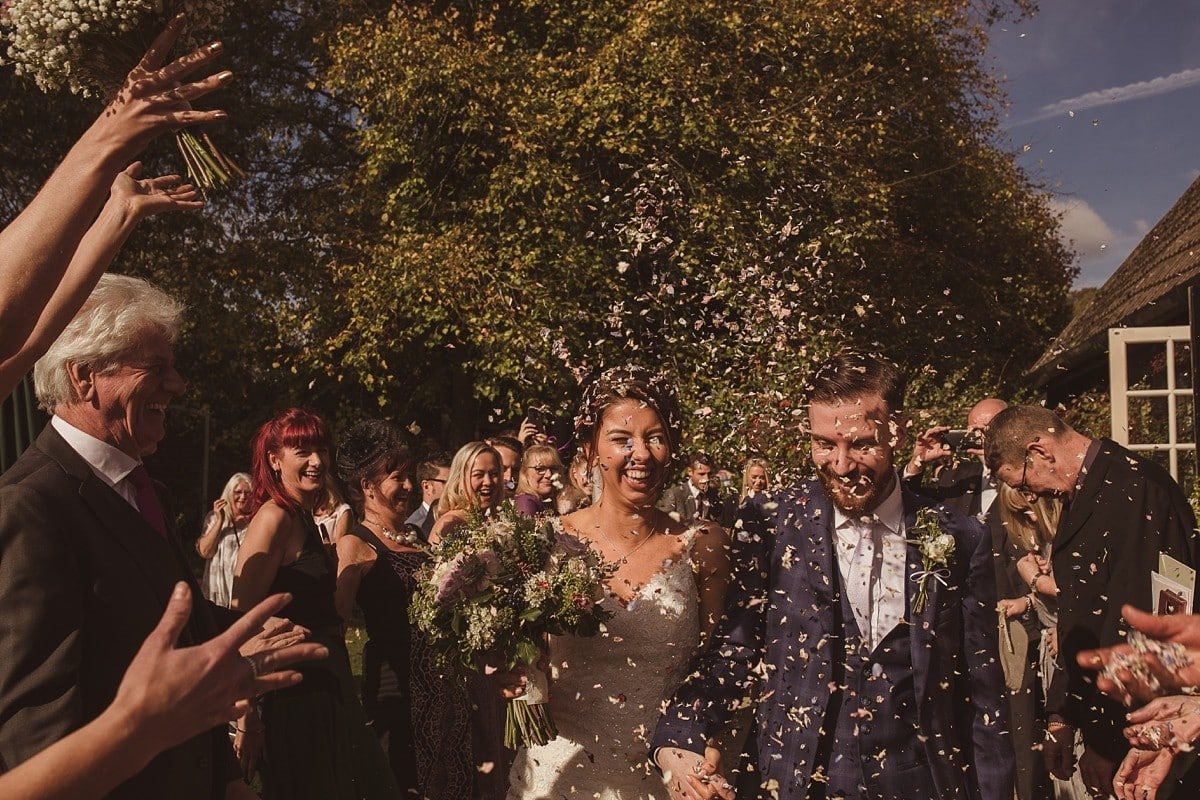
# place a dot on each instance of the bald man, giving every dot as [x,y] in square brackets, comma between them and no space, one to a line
[969,487]
[966,485]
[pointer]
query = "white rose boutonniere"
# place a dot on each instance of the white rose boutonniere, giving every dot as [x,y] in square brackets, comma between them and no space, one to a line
[937,548]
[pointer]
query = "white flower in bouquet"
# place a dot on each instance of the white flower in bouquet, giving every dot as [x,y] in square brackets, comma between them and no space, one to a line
[938,549]
[61,43]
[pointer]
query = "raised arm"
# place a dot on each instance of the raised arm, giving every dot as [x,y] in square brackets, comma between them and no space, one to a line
[37,247]
[166,696]
[131,200]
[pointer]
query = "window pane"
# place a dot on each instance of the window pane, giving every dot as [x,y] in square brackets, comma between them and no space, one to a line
[1183,419]
[1147,365]
[1148,420]
[1183,364]
[1187,471]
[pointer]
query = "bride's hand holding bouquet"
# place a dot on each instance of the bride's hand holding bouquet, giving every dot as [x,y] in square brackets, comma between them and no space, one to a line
[494,589]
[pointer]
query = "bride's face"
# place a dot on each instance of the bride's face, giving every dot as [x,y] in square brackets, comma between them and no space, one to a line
[633,452]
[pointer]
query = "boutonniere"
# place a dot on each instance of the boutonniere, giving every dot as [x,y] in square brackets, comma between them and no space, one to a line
[937,548]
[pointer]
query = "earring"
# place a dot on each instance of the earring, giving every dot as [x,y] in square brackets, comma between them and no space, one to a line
[597,483]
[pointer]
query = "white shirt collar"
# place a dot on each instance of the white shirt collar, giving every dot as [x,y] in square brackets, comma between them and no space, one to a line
[693,489]
[108,462]
[890,513]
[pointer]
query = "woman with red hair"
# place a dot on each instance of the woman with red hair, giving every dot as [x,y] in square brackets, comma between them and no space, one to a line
[312,738]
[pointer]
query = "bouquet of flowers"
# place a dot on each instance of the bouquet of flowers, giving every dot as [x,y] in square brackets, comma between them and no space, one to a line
[495,588]
[90,46]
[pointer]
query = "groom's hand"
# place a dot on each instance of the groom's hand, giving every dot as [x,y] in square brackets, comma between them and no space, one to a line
[690,776]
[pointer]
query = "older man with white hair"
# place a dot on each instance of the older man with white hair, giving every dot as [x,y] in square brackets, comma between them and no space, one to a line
[88,560]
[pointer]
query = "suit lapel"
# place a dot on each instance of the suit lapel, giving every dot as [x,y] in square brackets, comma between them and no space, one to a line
[1084,502]
[119,520]
[816,544]
[922,635]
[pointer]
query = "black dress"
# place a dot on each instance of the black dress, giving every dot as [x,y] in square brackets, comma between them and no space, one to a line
[417,709]
[317,743]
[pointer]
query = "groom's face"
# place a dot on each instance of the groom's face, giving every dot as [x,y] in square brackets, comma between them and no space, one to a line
[853,441]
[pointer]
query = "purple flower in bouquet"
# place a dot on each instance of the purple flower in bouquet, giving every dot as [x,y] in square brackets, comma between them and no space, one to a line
[452,579]
[571,545]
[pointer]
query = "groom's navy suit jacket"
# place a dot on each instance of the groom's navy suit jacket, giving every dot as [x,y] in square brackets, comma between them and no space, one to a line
[783,627]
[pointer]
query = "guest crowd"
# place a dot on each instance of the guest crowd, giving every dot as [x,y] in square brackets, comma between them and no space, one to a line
[948,625]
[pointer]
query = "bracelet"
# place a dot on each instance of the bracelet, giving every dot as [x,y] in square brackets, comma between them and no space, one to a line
[1033,583]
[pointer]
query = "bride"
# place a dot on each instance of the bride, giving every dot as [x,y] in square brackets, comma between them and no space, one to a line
[666,594]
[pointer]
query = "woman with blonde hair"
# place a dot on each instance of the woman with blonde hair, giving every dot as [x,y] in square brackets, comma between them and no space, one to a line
[756,480]
[578,490]
[224,528]
[1030,523]
[475,482]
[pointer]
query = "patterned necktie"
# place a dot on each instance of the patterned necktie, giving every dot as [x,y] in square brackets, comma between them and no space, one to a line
[147,500]
[858,582]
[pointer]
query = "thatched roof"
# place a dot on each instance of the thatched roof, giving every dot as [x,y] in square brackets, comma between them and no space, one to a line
[1166,259]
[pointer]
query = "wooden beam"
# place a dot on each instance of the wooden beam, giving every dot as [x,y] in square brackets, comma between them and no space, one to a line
[1193,295]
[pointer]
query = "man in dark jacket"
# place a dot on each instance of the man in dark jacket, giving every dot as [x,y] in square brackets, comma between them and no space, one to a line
[1120,512]
[88,559]
[697,498]
[878,656]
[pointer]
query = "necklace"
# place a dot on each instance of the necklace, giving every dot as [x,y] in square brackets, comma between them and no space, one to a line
[387,534]
[625,558]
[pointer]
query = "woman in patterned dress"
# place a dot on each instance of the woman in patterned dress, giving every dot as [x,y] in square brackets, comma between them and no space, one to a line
[417,709]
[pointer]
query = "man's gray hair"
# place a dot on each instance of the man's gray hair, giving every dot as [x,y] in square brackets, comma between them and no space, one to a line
[1010,433]
[112,321]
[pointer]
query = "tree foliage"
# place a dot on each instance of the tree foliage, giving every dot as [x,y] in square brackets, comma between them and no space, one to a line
[728,190]
[459,209]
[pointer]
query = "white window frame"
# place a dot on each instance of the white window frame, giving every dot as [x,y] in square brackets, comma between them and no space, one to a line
[1119,391]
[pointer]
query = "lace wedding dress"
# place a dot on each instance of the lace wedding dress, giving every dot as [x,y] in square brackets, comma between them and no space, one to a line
[607,691]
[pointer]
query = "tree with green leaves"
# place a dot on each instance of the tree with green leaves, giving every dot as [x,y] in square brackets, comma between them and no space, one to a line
[727,190]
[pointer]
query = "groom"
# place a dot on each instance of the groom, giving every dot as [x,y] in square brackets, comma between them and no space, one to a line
[864,695]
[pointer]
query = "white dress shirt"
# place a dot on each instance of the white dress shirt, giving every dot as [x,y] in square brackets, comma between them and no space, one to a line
[988,492]
[872,552]
[108,463]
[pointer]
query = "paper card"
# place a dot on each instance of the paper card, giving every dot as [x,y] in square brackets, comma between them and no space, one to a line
[1168,596]
[1177,571]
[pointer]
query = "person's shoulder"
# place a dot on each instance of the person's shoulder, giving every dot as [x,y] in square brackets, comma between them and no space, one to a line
[36,469]
[709,534]
[272,518]
[356,544]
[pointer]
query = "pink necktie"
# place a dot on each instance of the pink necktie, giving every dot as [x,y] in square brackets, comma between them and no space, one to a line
[147,500]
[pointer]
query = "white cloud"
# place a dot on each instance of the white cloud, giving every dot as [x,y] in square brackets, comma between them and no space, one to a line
[1117,94]
[1082,228]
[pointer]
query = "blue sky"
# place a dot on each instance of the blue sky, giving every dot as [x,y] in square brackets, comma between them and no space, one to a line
[1130,72]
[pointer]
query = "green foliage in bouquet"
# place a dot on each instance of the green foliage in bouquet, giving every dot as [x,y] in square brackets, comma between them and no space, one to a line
[496,587]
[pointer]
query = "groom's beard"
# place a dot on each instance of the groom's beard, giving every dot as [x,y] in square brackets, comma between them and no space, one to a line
[854,493]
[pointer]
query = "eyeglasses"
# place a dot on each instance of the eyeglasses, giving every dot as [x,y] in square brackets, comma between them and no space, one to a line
[435,480]
[547,470]
[1023,487]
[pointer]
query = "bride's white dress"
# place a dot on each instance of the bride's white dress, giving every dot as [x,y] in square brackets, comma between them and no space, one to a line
[607,692]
